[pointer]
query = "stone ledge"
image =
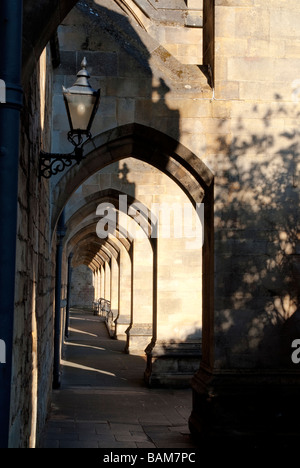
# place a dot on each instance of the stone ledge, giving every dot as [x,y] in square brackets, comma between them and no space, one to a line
[139,44]
[244,402]
[172,349]
[138,337]
[172,364]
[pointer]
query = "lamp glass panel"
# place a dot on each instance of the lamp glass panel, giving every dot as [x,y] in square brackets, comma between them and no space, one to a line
[81,108]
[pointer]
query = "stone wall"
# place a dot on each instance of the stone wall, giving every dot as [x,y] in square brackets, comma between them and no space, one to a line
[254,151]
[152,89]
[245,129]
[33,329]
[178,302]
[82,289]
[133,89]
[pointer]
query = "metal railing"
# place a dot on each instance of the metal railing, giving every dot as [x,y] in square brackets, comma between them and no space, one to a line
[101,307]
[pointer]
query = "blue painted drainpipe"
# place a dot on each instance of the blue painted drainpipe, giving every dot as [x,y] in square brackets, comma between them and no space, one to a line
[11,13]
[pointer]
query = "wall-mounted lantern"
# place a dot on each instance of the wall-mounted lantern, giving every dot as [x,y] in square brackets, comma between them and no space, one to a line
[82,103]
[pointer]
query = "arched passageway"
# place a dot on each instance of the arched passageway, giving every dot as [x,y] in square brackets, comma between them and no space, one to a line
[161,311]
[103,401]
[145,144]
[143,331]
[134,140]
[81,238]
[150,91]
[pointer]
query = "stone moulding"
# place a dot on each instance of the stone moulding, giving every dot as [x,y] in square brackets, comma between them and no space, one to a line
[138,337]
[171,364]
[246,402]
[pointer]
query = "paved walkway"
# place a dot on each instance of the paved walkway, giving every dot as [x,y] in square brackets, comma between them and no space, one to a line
[103,401]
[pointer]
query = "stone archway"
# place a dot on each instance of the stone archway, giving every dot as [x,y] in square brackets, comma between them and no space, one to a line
[174,160]
[88,206]
[143,143]
[135,326]
[36,35]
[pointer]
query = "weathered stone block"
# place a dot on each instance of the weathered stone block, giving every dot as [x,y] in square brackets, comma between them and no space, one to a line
[251,69]
[195,4]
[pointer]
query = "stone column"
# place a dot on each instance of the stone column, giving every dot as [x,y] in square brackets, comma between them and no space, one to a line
[174,354]
[124,316]
[107,281]
[99,283]
[102,282]
[139,334]
[95,284]
[68,295]
[114,289]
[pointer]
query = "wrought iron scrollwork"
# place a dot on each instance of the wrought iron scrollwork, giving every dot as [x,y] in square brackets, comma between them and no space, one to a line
[52,164]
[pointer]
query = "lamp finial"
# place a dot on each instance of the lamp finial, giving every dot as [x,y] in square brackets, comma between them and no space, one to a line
[84,63]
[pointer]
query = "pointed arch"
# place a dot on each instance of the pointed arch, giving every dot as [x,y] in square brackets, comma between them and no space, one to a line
[177,162]
[145,144]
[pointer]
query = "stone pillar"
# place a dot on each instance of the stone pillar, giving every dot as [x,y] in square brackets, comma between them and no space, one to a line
[107,281]
[99,282]
[139,334]
[102,282]
[124,316]
[114,289]
[95,283]
[174,354]
[68,295]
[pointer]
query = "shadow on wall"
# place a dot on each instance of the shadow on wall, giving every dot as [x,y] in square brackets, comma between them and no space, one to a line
[82,289]
[118,54]
[257,244]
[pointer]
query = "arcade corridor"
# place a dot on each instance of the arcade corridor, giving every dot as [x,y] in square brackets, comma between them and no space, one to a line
[179,208]
[103,401]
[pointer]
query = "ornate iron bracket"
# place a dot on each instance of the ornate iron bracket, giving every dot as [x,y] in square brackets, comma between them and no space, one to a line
[52,164]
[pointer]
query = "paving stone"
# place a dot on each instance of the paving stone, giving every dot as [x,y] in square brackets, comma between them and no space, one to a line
[51,444]
[125,434]
[111,412]
[117,445]
[131,438]
[145,445]
[154,420]
[61,436]
[103,429]
[118,428]
[156,428]
[68,430]
[139,433]
[106,438]
[86,426]
[58,424]
[78,444]
[179,445]
[55,430]
[181,429]
[90,437]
